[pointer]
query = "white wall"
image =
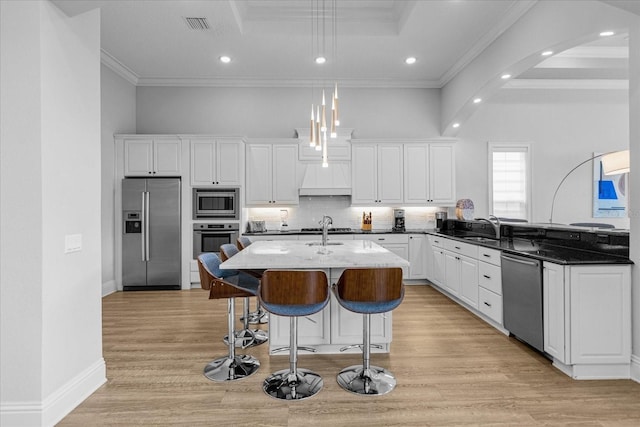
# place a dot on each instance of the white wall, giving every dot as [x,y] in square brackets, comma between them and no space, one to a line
[562,133]
[118,116]
[51,301]
[277,112]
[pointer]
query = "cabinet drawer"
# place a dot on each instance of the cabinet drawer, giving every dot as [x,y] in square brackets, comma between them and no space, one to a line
[490,304]
[491,256]
[490,277]
[461,248]
[436,241]
[383,239]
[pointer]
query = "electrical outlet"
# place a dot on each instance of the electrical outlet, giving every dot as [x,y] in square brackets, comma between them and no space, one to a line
[72,243]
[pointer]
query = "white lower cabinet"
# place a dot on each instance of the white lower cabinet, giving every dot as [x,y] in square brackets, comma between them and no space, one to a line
[417,256]
[587,319]
[396,243]
[490,284]
[469,273]
[461,271]
[312,330]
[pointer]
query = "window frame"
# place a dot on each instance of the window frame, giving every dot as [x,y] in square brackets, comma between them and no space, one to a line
[521,147]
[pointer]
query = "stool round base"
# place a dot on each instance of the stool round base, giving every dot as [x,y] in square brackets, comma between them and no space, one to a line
[227,369]
[287,386]
[377,381]
[246,338]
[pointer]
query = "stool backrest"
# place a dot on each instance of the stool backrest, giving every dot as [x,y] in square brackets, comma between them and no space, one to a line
[371,284]
[294,287]
[243,242]
[212,278]
[227,251]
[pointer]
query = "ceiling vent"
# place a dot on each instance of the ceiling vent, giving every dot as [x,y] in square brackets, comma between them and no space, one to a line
[197,23]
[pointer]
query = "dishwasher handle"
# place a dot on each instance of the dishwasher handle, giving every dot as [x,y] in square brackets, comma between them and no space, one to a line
[525,261]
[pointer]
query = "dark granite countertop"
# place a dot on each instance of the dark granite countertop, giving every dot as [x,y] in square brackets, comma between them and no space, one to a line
[537,249]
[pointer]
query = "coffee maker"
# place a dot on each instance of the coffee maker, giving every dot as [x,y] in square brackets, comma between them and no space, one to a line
[441,217]
[398,220]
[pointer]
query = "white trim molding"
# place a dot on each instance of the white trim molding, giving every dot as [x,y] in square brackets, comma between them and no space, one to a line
[109,287]
[58,404]
[635,368]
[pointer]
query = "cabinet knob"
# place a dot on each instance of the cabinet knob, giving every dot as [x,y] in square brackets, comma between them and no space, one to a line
[487,304]
[488,277]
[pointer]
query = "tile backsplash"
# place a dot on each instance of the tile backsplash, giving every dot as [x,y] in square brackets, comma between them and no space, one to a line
[311,209]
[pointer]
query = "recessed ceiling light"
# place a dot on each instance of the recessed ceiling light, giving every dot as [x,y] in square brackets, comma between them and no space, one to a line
[225,59]
[505,76]
[410,60]
[321,60]
[606,33]
[547,53]
[477,100]
[456,125]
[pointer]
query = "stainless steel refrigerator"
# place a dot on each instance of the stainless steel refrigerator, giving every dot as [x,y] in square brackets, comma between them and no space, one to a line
[151,233]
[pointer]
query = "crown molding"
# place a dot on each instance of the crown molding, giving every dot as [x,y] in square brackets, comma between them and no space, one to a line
[599,52]
[568,84]
[118,67]
[515,12]
[280,83]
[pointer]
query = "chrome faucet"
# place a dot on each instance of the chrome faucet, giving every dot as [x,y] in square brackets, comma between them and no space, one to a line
[325,222]
[496,225]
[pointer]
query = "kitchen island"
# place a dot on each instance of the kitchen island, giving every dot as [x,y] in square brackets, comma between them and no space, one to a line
[334,327]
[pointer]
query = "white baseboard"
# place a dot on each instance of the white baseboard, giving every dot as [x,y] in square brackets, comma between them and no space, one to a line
[635,368]
[109,288]
[58,404]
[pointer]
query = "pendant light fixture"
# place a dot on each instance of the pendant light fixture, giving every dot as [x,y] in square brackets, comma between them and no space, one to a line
[319,129]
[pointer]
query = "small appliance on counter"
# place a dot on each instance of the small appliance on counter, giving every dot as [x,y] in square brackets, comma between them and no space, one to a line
[440,219]
[398,221]
[256,227]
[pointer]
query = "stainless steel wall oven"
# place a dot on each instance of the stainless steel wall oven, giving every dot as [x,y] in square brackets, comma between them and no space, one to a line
[208,237]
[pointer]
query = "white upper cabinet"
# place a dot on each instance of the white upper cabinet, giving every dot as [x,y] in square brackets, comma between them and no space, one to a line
[152,157]
[216,161]
[442,174]
[271,174]
[377,174]
[429,174]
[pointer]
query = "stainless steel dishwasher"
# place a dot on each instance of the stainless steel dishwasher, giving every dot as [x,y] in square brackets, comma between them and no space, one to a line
[522,298]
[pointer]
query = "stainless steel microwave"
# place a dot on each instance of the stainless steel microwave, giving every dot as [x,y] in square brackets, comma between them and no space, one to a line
[216,203]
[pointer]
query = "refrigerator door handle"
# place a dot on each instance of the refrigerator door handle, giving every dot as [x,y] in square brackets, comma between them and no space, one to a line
[146,225]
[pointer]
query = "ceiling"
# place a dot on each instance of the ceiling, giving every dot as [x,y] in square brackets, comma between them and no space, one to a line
[273,42]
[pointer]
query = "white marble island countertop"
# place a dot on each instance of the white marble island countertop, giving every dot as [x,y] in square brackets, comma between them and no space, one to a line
[294,254]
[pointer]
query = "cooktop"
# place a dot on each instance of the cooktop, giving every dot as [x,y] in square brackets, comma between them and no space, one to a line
[331,230]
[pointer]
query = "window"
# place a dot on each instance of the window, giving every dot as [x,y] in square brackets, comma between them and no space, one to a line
[510,180]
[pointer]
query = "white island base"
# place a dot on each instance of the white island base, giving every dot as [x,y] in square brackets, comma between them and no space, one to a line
[334,327]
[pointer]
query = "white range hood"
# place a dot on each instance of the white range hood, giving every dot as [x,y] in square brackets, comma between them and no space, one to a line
[334,180]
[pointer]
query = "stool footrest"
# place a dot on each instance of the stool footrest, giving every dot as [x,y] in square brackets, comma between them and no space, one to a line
[349,347]
[246,338]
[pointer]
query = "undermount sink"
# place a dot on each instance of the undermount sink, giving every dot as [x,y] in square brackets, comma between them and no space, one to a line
[480,239]
[328,243]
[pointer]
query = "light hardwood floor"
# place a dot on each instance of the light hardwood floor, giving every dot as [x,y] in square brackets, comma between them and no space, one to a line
[451,367]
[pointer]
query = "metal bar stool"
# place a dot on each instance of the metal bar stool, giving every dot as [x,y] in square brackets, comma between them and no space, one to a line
[293,293]
[226,284]
[245,337]
[259,316]
[368,291]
